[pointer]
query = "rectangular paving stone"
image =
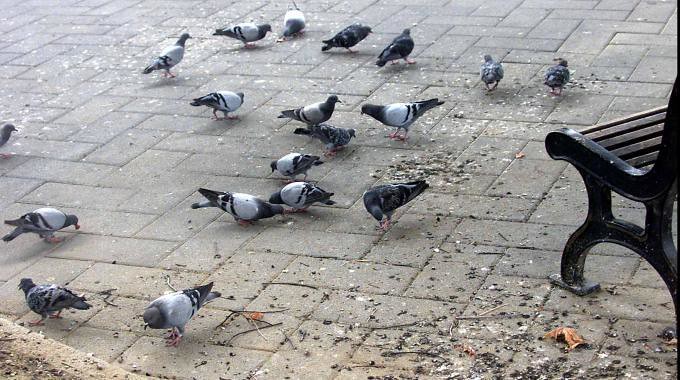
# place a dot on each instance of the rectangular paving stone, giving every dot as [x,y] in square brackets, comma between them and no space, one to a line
[655,69]
[79,196]
[592,105]
[94,109]
[107,127]
[180,223]
[481,207]
[107,249]
[512,234]
[106,345]
[61,150]
[62,171]
[345,246]
[654,11]
[539,173]
[125,147]
[620,55]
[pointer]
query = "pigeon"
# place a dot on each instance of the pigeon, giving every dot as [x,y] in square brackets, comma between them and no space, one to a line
[381,201]
[50,300]
[5,132]
[491,72]
[300,195]
[293,23]
[245,208]
[400,48]
[400,115]
[557,76]
[44,222]
[313,114]
[293,164]
[225,101]
[174,310]
[334,138]
[347,37]
[247,32]
[170,56]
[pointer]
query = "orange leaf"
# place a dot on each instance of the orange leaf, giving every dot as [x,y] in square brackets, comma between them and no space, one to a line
[520,155]
[567,335]
[255,315]
[466,348]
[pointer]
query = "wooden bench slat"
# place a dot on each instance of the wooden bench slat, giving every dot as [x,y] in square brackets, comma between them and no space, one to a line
[644,160]
[632,137]
[614,130]
[626,119]
[638,149]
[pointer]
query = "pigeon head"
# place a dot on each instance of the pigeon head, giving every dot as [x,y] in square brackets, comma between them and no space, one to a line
[276,209]
[273,165]
[182,39]
[276,198]
[375,211]
[266,27]
[333,99]
[352,132]
[561,62]
[370,109]
[7,130]
[240,95]
[72,220]
[26,284]
[153,318]
[406,32]
[487,58]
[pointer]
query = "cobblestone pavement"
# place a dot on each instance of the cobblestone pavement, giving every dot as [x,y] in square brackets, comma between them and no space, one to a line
[126,153]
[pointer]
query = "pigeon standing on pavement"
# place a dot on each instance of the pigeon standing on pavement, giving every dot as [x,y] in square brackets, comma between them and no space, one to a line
[313,114]
[50,300]
[491,72]
[225,101]
[556,77]
[169,57]
[174,310]
[347,37]
[5,133]
[293,23]
[44,222]
[293,164]
[400,48]
[400,115]
[246,32]
[300,195]
[245,208]
[381,201]
[334,138]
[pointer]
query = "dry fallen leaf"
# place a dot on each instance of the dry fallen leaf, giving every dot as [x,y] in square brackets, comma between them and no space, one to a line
[567,335]
[466,348]
[255,315]
[520,155]
[672,342]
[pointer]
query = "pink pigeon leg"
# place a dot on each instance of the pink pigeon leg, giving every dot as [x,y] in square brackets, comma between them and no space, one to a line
[39,322]
[232,117]
[350,50]
[409,60]
[385,224]
[53,239]
[56,316]
[6,155]
[244,223]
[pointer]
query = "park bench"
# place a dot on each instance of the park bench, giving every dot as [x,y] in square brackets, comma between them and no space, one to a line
[635,156]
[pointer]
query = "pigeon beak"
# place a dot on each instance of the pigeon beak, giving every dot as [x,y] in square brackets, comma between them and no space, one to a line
[339,101]
[77,226]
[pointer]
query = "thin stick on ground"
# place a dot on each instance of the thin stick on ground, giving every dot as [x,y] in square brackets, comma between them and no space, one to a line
[251,330]
[491,310]
[395,326]
[167,282]
[424,353]
[252,322]
[291,284]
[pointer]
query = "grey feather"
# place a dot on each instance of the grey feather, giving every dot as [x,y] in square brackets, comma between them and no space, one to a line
[43,221]
[332,137]
[294,164]
[400,48]
[5,133]
[400,115]
[313,114]
[491,72]
[382,201]
[243,207]
[347,37]
[49,299]
[300,195]
[557,76]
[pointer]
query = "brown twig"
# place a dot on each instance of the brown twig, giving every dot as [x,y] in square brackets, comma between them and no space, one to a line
[106,301]
[291,284]
[7,339]
[395,326]
[425,353]
[491,310]
[167,281]
[251,330]
[259,311]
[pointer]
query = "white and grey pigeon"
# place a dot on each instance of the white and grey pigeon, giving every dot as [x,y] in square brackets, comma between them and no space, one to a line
[245,208]
[44,222]
[491,72]
[381,201]
[400,115]
[174,310]
[247,32]
[400,48]
[313,114]
[169,57]
[225,101]
[293,164]
[347,37]
[5,133]
[293,23]
[300,195]
[556,77]
[50,300]
[334,138]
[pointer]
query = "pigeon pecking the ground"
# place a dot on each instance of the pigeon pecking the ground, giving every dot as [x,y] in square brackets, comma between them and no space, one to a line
[5,133]
[44,222]
[400,48]
[347,37]
[293,23]
[381,201]
[313,114]
[491,72]
[556,77]
[169,57]
[50,300]
[293,164]
[334,138]
[400,115]
[300,195]
[247,32]
[245,208]
[174,310]
[225,101]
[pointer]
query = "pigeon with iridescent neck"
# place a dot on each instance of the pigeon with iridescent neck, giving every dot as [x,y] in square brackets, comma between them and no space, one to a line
[44,222]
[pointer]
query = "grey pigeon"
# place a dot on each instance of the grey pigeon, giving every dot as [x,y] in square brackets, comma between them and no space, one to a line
[50,300]
[557,76]
[293,164]
[225,101]
[293,23]
[400,115]
[245,208]
[246,32]
[313,114]
[400,48]
[5,132]
[491,72]
[334,138]
[347,37]
[169,57]
[381,201]
[44,222]
[300,195]
[174,310]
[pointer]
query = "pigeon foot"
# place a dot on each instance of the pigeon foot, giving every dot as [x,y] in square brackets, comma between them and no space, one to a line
[54,240]
[36,323]
[56,316]
[244,223]
[5,156]
[410,61]
[385,224]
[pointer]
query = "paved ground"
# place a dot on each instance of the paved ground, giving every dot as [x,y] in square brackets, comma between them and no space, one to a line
[126,153]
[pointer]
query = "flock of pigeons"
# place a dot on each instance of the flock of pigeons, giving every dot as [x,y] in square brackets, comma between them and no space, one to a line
[173,311]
